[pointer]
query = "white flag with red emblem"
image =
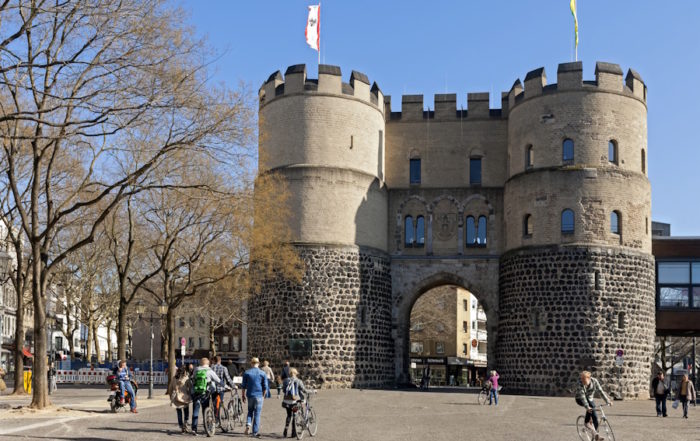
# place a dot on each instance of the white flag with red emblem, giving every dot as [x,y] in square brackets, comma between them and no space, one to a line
[313,27]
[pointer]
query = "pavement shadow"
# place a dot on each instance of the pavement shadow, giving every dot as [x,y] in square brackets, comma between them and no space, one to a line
[135,429]
[72,438]
[462,404]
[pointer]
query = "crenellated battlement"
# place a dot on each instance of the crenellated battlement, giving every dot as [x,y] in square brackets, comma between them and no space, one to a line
[444,107]
[608,77]
[329,82]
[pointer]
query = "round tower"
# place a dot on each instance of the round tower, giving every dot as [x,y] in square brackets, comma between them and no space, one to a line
[577,274]
[326,139]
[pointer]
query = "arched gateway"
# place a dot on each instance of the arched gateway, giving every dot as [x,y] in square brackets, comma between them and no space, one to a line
[522,205]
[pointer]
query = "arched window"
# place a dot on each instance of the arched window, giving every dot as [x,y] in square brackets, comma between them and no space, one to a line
[567,221]
[612,152]
[568,150]
[615,222]
[409,232]
[420,231]
[481,231]
[527,225]
[529,156]
[471,231]
[644,161]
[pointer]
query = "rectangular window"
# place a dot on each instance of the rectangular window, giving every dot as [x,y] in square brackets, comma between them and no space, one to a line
[674,272]
[465,326]
[439,347]
[192,342]
[464,348]
[416,347]
[696,297]
[673,297]
[415,171]
[696,273]
[466,305]
[474,324]
[200,343]
[475,171]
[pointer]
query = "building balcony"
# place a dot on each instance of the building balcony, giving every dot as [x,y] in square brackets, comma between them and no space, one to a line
[480,335]
[481,315]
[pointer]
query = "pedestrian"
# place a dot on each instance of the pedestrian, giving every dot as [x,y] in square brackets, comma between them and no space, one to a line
[285,370]
[294,392]
[204,381]
[218,397]
[255,386]
[493,394]
[685,393]
[278,382]
[181,396]
[3,386]
[270,375]
[52,377]
[232,369]
[661,390]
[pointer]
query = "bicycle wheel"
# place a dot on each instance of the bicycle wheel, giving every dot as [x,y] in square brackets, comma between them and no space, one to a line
[312,422]
[300,423]
[240,416]
[224,419]
[230,410]
[483,397]
[209,421]
[605,430]
[583,432]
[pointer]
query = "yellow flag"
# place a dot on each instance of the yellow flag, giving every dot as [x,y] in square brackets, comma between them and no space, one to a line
[573,12]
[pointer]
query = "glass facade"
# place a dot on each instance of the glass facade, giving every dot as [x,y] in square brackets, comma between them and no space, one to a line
[678,284]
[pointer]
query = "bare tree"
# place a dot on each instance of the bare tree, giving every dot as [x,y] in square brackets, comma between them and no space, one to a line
[94,95]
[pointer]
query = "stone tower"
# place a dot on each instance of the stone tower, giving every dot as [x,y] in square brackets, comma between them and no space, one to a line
[577,273]
[326,139]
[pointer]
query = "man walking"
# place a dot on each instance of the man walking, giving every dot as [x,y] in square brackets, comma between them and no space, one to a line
[661,391]
[255,387]
[225,378]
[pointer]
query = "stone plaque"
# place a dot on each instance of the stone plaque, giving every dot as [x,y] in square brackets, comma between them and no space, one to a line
[445,225]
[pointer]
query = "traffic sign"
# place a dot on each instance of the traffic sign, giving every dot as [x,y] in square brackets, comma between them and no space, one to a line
[182,341]
[618,361]
[182,351]
[620,353]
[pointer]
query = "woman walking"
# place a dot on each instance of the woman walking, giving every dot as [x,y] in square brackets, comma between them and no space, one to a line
[685,393]
[493,394]
[269,374]
[181,396]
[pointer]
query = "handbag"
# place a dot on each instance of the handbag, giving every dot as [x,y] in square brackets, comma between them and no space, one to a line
[675,403]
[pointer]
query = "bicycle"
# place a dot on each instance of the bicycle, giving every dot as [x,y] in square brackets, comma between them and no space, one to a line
[234,409]
[208,418]
[588,434]
[308,421]
[224,416]
[483,396]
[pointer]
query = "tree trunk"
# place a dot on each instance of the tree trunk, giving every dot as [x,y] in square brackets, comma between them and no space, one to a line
[170,324]
[40,386]
[88,344]
[663,355]
[96,337]
[109,341]
[19,345]
[121,330]
[71,346]
[212,343]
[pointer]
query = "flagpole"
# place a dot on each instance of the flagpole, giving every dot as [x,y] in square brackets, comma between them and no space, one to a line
[576,40]
[319,33]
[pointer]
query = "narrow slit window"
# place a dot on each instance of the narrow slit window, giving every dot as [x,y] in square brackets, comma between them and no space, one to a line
[471,231]
[475,171]
[615,222]
[568,150]
[644,161]
[567,221]
[612,152]
[420,231]
[409,233]
[529,157]
[481,231]
[415,171]
[527,225]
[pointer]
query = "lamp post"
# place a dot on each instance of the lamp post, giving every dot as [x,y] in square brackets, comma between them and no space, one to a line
[50,324]
[5,260]
[162,310]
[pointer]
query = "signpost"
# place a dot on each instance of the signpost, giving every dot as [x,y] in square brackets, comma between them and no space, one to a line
[619,361]
[182,350]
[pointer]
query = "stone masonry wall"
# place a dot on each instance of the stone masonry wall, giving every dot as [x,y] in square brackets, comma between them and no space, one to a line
[343,304]
[568,309]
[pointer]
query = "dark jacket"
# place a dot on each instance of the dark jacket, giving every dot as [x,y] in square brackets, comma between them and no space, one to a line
[655,383]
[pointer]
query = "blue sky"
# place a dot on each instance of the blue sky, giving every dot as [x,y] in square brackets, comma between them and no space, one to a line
[438,46]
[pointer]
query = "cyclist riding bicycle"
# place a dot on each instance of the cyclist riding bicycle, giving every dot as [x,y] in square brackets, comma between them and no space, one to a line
[204,381]
[294,392]
[585,392]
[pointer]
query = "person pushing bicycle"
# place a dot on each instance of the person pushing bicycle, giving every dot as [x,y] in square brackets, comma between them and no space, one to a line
[294,392]
[585,392]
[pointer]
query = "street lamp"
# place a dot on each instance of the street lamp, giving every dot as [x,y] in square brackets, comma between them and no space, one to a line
[162,310]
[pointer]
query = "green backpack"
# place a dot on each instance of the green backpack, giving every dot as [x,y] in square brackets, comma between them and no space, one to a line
[200,381]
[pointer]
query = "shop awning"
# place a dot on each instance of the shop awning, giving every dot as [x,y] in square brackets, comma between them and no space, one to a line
[26,353]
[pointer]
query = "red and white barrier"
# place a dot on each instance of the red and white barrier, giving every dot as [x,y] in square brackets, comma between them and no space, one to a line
[89,376]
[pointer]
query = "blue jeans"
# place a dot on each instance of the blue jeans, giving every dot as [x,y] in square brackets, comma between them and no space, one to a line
[593,415]
[255,405]
[182,422]
[198,400]
[127,385]
[660,404]
[493,396]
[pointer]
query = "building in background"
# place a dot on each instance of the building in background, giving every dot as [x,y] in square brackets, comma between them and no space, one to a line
[448,334]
